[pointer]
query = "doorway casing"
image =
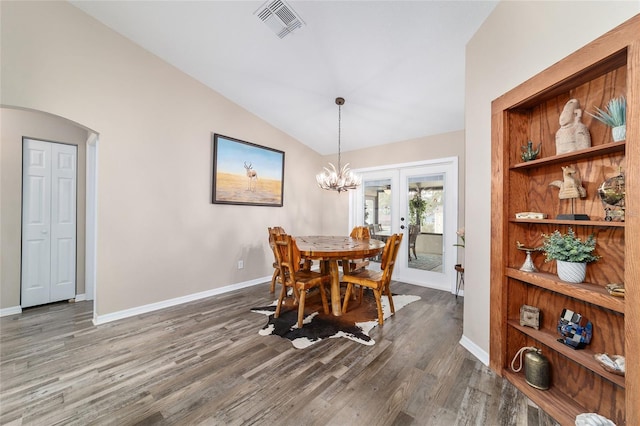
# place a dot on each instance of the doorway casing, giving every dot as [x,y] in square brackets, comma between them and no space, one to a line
[91,193]
[447,165]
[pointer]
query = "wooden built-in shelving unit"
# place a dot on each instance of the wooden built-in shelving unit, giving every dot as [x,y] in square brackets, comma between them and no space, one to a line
[606,68]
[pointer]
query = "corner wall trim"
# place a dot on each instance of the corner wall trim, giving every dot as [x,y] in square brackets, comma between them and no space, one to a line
[475,350]
[127,313]
[10,311]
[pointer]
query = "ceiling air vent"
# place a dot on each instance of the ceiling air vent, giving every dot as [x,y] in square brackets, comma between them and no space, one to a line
[279,17]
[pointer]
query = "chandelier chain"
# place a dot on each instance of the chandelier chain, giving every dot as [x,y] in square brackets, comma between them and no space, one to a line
[339,135]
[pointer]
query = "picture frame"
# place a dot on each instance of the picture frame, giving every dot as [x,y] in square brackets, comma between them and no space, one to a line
[246,173]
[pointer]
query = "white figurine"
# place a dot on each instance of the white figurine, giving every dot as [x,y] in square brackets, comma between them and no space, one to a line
[593,419]
[570,186]
[573,134]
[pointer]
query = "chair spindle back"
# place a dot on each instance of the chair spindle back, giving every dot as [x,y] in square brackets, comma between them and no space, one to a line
[360,233]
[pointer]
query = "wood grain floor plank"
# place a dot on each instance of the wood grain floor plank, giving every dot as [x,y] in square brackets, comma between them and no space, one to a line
[204,363]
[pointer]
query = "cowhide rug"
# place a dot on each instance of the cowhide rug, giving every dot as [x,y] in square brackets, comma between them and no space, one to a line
[354,325]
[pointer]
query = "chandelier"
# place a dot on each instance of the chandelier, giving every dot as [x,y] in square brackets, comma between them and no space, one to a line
[342,178]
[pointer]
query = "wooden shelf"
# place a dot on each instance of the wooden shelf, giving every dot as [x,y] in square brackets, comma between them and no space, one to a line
[587,292]
[583,357]
[591,152]
[606,68]
[601,223]
[599,68]
[555,403]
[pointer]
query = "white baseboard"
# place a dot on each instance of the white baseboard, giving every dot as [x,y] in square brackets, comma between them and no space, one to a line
[127,313]
[10,311]
[475,350]
[423,284]
[81,297]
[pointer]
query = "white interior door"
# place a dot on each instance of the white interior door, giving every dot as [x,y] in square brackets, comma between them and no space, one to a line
[384,201]
[432,259]
[49,178]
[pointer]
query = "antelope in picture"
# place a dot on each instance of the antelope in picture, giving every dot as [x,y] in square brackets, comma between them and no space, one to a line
[252,175]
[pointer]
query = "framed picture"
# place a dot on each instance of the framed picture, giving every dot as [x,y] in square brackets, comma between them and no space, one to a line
[246,173]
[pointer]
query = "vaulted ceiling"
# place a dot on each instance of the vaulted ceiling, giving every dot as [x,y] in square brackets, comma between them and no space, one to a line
[398,64]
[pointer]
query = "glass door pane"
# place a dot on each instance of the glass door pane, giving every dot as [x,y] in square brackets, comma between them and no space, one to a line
[377,204]
[377,200]
[426,222]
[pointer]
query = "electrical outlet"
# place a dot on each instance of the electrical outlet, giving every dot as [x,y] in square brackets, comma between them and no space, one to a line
[240,264]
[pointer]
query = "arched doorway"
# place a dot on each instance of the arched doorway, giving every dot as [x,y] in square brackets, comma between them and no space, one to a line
[19,123]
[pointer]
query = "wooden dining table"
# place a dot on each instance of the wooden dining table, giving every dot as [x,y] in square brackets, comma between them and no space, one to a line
[329,250]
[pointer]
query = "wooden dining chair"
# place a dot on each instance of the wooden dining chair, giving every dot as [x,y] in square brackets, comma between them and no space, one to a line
[372,230]
[378,281]
[305,264]
[273,232]
[292,276]
[414,231]
[359,233]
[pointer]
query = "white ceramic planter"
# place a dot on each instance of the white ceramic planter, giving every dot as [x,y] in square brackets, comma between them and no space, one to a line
[571,271]
[619,133]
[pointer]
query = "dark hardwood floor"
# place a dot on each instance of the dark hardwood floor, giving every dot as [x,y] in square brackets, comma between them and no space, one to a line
[204,363]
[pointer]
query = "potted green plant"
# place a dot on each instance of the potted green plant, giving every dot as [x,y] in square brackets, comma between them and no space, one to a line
[571,254]
[614,116]
[417,207]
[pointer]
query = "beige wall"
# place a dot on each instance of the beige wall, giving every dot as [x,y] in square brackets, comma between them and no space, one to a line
[518,40]
[35,125]
[159,237]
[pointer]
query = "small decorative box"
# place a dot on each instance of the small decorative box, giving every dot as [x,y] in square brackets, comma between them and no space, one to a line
[530,215]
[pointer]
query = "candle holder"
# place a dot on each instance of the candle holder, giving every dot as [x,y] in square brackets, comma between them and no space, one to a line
[528,265]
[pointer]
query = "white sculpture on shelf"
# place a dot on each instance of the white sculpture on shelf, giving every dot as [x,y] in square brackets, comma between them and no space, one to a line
[570,189]
[573,135]
[593,419]
[570,185]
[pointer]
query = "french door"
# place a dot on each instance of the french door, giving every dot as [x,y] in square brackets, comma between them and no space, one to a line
[419,200]
[48,222]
